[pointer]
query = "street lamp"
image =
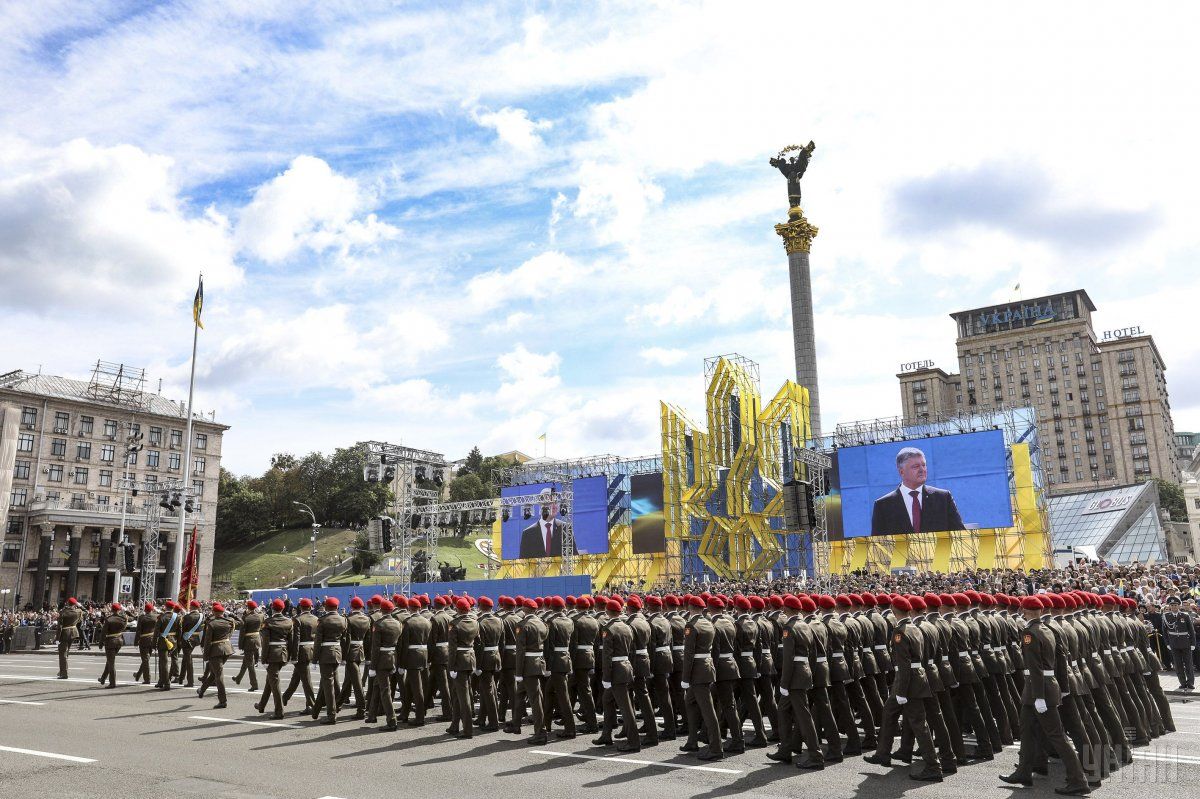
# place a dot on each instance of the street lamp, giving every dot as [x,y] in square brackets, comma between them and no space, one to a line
[312,560]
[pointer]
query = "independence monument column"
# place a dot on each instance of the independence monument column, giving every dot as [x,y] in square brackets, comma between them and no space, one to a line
[797,236]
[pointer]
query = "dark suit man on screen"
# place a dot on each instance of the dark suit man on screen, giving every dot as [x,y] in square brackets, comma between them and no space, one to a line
[544,538]
[914,507]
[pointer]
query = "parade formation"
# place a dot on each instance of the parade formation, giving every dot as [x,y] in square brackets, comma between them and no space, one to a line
[955,676]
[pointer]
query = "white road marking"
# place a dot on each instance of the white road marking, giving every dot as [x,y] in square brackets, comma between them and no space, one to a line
[1186,760]
[636,762]
[25,666]
[16,702]
[240,721]
[55,679]
[53,755]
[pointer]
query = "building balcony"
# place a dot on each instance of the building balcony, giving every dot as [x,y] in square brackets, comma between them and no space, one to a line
[87,513]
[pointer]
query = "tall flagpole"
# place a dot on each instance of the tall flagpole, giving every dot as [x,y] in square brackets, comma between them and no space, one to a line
[177,564]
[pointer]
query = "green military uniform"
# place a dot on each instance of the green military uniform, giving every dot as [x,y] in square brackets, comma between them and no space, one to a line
[275,637]
[331,629]
[462,633]
[585,631]
[217,646]
[68,632]
[698,676]
[146,624]
[357,630]
[189,638]
[529,668]
[248,642]
[166,641]
[384,635]
[559,630]
[487,663]
[113,631]
[796,728]
[909,688]
[303,634]
[413,661]
[616,676]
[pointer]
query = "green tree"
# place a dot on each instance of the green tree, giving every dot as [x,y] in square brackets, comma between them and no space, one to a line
[364,559]
[473,462]
[1171,499]
[241,512]
[468,487]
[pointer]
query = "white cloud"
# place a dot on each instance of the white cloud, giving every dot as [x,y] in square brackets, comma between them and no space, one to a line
[511,323]
[309,206]
[89,226]
[542,276]
[514,128]
[663,356]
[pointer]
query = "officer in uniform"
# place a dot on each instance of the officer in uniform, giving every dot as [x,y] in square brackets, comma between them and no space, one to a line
[462,634]
[166,641]
[797,731]
[113,632]
[487,664]
[439,658]
[385,633]
[358,627]
[1180,633]
[217,648]
[276,636]
[910,687]
[413,649]
[559,632]
[728,675]
[146,624]
[616,677]
[248,642]
[1040,698]
[68,631]
[189,639]
[331,629]
[584,635]
[697,681]
[662,665]
[303,634]
[530,667]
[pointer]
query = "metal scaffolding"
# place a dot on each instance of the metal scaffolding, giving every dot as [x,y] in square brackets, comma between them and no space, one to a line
[118,384]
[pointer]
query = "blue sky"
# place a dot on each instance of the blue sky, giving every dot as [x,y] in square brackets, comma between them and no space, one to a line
[459,224]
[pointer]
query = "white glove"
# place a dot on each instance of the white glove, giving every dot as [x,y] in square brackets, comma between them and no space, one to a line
[370,672]
[518,679]
[454,675]
[477,672]
[685,685]
[783,692]
[1040,705]
[606,684]
[902,700]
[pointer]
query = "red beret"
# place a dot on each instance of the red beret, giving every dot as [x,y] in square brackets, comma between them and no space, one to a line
[613,606]
[900,603]
[696,602]
[633,602]
[1108,599]
[931,599]
[279,604]
[556,602]
[741,603]
[413,603]
[1055,600]
[672,601]
[386,605]
[529,604]
[306,603]
[72,601]
[947,600]
[883,599]
[776,601]
[584,602]
[251,604]
[972,595]
[218,607]
[116,606]
[441,601]
[331,603]
[867,599]
[826,601]
[462,606]
[986,600]
[961,600]
[757,602]
[540,602]
[149,606]
[705,595]
[807,604]
[375,599]
[716,603]
[856,600]
[506,601]
[1031,603]
[842,600]
[792,603]
[194,603]
[569,599]
[356,603]
[916,603]
[654,601]
[485,603]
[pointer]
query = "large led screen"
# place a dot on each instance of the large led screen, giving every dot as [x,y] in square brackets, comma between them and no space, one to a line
[927,485]
[646,513]
[536,530]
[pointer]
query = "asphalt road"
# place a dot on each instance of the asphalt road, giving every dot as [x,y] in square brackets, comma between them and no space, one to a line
[137,742]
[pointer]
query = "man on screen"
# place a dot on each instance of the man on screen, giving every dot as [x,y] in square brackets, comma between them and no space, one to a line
[544,538]
[914,507]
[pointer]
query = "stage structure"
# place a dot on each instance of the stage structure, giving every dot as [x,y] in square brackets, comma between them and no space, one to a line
[723,485]
[408,473]
[1025,544]
[619,565]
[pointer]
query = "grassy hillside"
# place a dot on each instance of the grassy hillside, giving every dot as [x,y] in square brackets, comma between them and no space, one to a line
[275,558]
[450,550]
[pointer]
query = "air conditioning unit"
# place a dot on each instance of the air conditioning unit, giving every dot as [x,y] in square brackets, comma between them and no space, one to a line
[45,470]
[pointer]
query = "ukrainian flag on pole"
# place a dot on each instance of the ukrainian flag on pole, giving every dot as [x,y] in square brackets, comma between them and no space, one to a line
[198,303]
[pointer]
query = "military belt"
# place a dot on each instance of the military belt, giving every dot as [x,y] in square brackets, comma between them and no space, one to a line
[331,643]
[964,654]
[945,658]
[728,655]
[662,649]
[441,643]
[491,649]
[766,650]
[581,647]
[562,649]
[278,643]
[510,647]
[641,652]
[465,648]
[798,657]
[533,654]
[416,646]
[676,648]
[881,646]
[837,654]
[915,665]
[822,659]
[702,656]
[619,658]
